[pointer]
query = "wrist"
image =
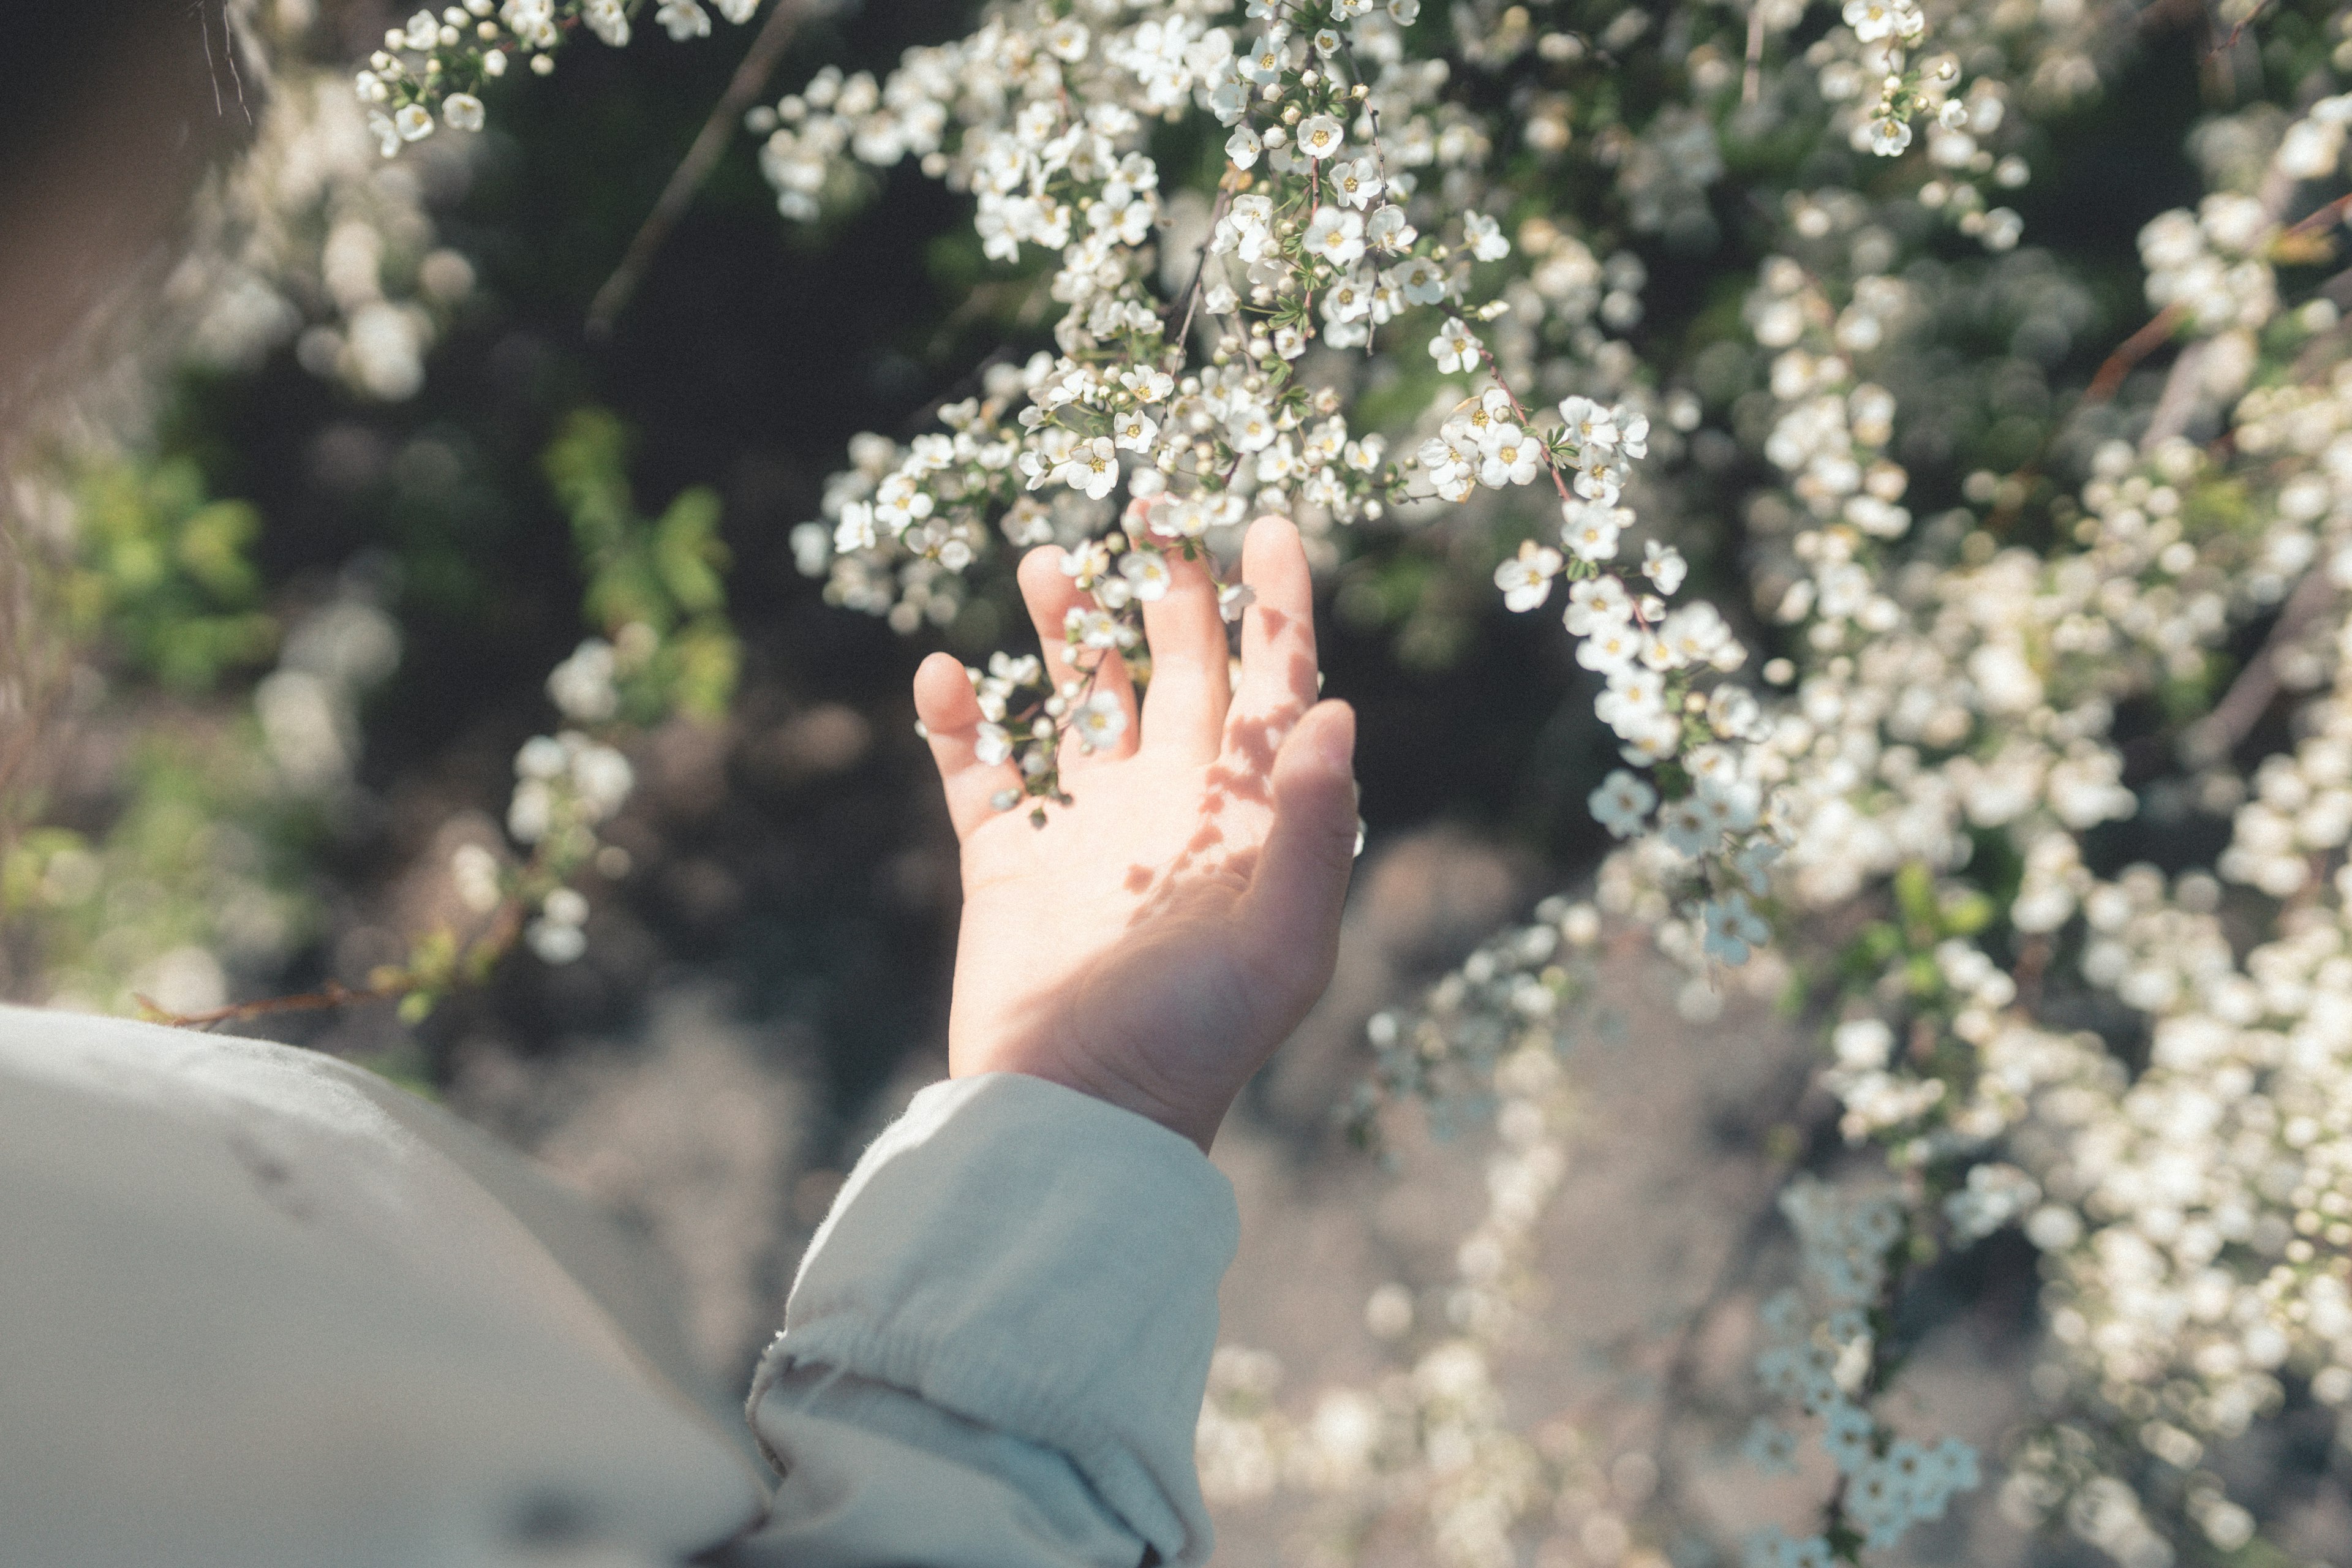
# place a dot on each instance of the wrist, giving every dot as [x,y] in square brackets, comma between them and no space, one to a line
[1196,1124]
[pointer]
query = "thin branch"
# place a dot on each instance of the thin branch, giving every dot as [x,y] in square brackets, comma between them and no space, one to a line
[2322,217]
[2217,734]
[2226,45]
[212,72]
[333,994]
[228,48]
[1200,267]
[749,81]
[2128,355]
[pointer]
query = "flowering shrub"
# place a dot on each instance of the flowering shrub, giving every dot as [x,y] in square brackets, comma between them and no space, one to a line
[1969,664]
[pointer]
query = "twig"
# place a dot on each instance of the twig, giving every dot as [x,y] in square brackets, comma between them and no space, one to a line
[750,78]
[211,73]
[1200,267]
[2321,217]
[2112,371]
[2226,45]
[228,48]
[333,994]
[2217,734]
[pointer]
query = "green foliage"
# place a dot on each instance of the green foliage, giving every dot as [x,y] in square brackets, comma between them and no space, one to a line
[162,579]
[665,577]
[199,854]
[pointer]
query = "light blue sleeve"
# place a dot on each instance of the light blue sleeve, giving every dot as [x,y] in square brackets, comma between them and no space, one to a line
[996,1347]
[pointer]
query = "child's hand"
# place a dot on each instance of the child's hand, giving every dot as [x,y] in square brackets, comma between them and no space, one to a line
[1154,941]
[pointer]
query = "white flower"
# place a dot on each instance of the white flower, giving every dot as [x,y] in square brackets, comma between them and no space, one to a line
[1243,147]
[554,941]
[1349,298]
[1454,348]
[1889,135]
[1511,457]
[540,757]
[601,775]
[1689,826]
[1091,468]
[684,19]
[1589,426]
[1732,929]
[1597,602]
[1869,19]
[1485,238]
[1357,184]
[413,121]
[1772,1449]
[991,744]
[1099,720]
[1337,234]
[1419,279]
[1149,383]
[477,874]
[462,111]
[566,907]
[1696,635]
[1608,647]
[1266,62]
[609,20]
[1526,578]
[1623,803]
[1664,565]
[1320,135]
[1387,232]
[1250,430]
[1589,529]
[1134,431]
[1634,702]
[854,530]
[1087,628]
[1632,430]
[582,685]
[532,22]
[1146,572]
[1232,598]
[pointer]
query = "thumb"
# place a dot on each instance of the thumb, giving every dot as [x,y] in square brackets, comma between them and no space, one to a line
[1302,879]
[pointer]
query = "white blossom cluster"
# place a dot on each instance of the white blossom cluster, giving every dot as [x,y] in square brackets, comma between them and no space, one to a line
[1821,1357]
[434,68]
[309,236]
[1431,1440]
[1957,712]
[1338,144]
[1948,690]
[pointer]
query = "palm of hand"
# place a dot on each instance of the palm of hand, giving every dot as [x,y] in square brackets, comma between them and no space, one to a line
[1156,940]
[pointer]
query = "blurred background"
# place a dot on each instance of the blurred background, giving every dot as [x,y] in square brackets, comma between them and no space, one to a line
[286,576]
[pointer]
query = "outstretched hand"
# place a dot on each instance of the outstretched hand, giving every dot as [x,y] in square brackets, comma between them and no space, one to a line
[1162,934]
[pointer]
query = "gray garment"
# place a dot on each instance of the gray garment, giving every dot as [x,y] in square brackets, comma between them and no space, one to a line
[259,1307]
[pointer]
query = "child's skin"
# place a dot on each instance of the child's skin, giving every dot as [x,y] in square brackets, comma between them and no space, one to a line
[1155,942]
